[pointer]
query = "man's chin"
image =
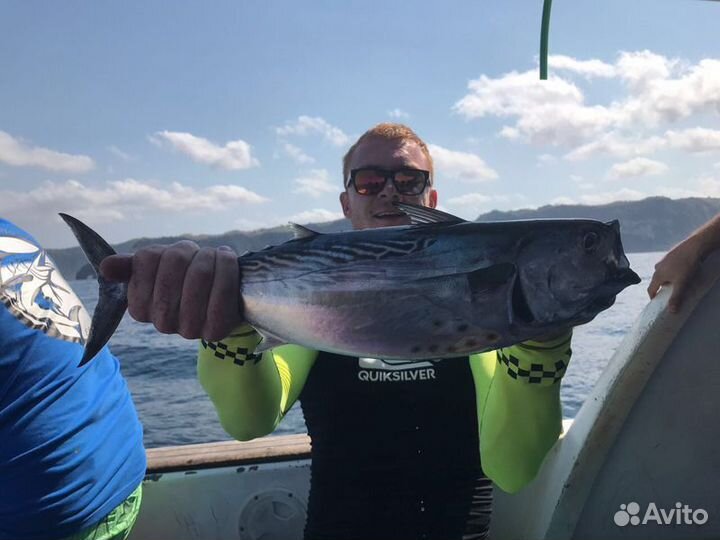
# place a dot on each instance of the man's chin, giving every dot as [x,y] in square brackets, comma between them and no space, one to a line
[390,221]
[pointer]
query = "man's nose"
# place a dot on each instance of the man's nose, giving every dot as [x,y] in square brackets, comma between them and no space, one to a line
[389,191]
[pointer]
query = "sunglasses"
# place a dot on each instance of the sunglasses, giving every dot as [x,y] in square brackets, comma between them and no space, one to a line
[372,180]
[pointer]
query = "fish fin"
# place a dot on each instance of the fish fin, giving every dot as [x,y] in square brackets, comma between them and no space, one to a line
[520,312]
[112,297]
[422,215]
[300,231]
[490,277]
[268,342]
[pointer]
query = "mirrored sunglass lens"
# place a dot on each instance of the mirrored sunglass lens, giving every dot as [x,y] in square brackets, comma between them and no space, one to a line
[369,181]
[409,182]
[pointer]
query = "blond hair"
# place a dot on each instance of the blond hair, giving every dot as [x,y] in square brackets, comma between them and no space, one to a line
[389,131]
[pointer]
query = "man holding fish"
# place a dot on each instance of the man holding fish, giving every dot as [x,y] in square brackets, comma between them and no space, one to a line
[410,424]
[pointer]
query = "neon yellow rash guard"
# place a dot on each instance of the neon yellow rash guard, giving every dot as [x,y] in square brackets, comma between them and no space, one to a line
[517,393]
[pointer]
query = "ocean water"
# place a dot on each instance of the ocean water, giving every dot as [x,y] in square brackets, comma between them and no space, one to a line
[174,409]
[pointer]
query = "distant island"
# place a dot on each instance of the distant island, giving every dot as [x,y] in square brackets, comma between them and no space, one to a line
[652,224]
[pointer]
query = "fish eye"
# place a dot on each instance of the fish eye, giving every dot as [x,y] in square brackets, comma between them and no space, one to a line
[590,242]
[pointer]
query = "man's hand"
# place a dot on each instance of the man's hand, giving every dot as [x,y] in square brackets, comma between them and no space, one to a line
[181,289]
[677,268]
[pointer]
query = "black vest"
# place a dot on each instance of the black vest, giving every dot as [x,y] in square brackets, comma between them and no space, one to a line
[395,452]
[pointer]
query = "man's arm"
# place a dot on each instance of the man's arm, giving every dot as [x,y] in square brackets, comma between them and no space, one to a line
[682,262]
[519,410]
[252,393]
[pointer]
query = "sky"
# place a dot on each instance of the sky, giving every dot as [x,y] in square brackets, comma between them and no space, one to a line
[148,118]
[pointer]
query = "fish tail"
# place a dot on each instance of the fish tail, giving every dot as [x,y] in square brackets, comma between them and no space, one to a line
[112,296]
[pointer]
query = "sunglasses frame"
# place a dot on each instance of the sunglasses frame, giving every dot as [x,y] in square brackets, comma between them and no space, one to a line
[388,174]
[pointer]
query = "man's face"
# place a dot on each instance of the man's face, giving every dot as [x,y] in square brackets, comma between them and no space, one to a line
[371,211]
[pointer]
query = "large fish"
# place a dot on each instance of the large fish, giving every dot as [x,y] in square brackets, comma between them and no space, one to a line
[441,287]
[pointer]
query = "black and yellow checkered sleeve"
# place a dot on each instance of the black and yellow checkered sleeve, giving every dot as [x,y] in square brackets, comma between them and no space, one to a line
[534,362]
[223,351]
[237,348]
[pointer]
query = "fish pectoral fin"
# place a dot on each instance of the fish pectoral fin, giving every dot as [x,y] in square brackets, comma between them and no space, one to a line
[300,231]
[268,342]
[491,277]
[423,215]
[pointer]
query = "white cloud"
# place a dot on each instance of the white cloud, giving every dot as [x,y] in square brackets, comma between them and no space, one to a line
[297,154]
[637,167]
[640,68]
[694,139]
[669,91]
[709,186]
[588,68]
[316,183]
[657,90]
[469,199]
[548,112]
[18,153]
[581,182]
[235,155]
[463,165]
[690,140]
[545,159]
[398,113]
[469,205]
[308,125]
[119,153]
[704,186]
[615,144]
[513,94]
[624,194]
[563,200]
[117,200]
[316,215]
[511,133]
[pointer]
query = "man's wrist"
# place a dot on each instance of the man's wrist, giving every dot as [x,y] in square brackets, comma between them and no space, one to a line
[551,338]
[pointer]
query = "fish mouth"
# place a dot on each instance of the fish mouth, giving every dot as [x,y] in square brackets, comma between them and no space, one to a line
[620,279]
[626,277]
[623,278]
[602,303]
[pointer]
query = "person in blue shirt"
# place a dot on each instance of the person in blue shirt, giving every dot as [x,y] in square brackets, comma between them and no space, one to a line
[71,452]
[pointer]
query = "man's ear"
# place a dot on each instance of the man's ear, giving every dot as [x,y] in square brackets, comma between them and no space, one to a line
[432,203]
[345,203]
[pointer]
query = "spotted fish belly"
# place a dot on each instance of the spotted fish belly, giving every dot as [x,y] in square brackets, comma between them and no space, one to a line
[439,319]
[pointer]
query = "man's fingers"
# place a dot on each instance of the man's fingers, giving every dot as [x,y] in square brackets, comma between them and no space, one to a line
[168,289]
[654,286]
[142,282]
[677,296]
[181,288]
[196,294]
[117,268]
[223,312]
